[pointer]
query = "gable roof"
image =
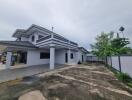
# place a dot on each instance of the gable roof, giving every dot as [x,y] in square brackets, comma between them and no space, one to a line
[32,28]
[18,43]
[83,49]
[27,32]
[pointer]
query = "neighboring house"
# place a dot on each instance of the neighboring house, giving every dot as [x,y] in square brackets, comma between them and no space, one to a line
[37,45]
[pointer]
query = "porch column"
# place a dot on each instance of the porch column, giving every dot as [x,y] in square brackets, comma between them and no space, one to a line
[52,57]
[69,56]
[8,59]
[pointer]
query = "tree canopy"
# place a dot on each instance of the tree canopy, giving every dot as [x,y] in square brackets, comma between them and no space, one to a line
[102,47]
[107,45]
[119,46]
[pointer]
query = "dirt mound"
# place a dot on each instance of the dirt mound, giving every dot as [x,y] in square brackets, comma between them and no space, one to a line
[73,83]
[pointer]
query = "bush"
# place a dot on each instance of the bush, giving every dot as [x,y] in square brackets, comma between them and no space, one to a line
[79,62]
[129,84]
[124,77]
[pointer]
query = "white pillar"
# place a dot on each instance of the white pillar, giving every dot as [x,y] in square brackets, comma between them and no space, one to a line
[52,58]
[69,56]
[8,59]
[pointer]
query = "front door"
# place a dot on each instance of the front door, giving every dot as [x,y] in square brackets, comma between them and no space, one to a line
[82,58]
[66,57]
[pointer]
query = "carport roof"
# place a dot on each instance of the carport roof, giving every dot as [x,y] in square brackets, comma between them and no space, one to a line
[18,43]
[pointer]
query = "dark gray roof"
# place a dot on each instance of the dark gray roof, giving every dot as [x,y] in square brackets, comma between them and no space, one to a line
[23,32]
[83,49]
[18,43]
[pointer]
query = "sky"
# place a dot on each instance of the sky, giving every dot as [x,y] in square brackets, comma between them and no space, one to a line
[78,20]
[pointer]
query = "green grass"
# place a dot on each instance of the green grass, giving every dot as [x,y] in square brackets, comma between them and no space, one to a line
[123,77]
[129,84]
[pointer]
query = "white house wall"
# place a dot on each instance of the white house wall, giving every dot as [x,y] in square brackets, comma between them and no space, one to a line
[33,58]
[74,60]
[60,56]
[35,38]
[80,53]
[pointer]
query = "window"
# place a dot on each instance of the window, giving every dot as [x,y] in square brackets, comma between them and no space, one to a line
[44,55]
[19,39]
[72,56]
[33,38]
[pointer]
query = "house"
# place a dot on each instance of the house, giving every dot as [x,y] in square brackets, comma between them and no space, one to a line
[37,45]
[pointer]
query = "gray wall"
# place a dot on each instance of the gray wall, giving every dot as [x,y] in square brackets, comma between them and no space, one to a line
[94,58]
[126,63]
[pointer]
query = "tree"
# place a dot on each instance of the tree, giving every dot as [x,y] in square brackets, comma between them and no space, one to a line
[107,45]
[102,47]
[119,47]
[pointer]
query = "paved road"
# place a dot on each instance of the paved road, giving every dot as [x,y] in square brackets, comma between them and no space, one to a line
[11,74]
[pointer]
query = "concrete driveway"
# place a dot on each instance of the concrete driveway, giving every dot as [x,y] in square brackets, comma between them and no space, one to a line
[2,66]
[11,74]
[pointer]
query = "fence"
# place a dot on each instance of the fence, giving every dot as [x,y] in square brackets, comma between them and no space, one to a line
[125,62]
[94,59]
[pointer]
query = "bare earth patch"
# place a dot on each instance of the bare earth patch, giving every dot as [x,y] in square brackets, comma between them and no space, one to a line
[33,95]
[80,82]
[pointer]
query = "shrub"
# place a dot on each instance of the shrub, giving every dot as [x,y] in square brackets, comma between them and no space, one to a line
[124,77]
[129,84]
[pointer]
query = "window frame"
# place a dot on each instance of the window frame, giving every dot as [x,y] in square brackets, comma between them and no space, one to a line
[33,38]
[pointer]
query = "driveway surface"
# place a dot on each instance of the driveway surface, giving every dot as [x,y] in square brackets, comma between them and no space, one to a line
[11,74]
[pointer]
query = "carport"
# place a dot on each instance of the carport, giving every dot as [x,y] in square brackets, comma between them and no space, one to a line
[16,51]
